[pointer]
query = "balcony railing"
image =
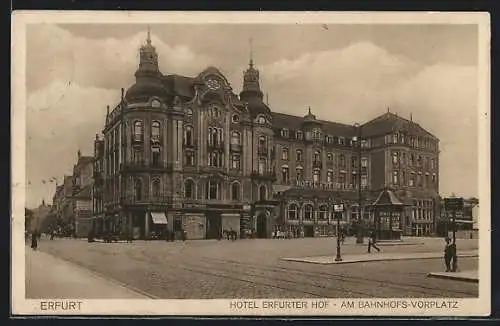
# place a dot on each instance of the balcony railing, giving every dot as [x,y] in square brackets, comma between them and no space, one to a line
[264,175]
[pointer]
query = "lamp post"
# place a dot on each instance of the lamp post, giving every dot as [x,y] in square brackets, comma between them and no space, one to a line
[301,217]
[360,229]
[338,209]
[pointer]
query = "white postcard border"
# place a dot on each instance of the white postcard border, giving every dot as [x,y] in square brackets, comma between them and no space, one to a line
[430,307]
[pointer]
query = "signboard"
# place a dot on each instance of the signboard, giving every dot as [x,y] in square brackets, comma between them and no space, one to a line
[453,204]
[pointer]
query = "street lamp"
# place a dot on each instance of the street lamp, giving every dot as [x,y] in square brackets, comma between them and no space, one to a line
[357,141]
[338,209]
[301,217]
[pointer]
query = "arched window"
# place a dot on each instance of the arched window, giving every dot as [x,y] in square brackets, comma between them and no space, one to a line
[155,130]
[329,176]
[298,155]
[342,160]
[284,154]
[156,156]
[292,212]
[235,138]
[235,191]
[213,189]
[138,189]
[138,130]
[156,187]
[317,156]
[189,189]
[215,159]
[329,157]
[323,212]
[213,111]
[285,174]
[299,173]
[308,212]
[262,165]
[188,136]
[262,193]
[316,176]
[262,141]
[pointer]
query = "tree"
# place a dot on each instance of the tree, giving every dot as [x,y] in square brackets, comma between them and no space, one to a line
[28,217]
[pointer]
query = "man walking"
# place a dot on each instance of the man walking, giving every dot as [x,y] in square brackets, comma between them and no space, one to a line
[372,241]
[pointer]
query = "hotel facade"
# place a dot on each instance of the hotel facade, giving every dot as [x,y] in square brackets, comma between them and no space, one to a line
[187,153]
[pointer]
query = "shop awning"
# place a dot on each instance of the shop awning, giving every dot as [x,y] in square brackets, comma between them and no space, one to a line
[159,218]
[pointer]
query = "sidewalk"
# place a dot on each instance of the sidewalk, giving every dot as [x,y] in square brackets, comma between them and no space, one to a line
[376,256]
[466,276]
[48,277]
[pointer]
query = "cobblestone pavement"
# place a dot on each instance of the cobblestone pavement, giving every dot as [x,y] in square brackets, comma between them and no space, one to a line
[207,269]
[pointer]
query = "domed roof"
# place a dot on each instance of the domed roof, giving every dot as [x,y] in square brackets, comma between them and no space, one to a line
[147,89]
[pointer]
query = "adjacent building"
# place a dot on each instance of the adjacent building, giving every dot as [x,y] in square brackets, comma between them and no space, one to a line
[187,153]
[82,195]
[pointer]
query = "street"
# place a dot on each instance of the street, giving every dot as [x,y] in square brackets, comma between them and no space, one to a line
[207,269]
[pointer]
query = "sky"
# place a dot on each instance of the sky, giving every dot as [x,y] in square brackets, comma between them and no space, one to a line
[345,73]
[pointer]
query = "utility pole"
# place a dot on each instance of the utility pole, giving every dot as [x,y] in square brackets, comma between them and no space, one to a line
[360,228]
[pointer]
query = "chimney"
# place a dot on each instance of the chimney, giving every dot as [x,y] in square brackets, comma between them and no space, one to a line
[123,94]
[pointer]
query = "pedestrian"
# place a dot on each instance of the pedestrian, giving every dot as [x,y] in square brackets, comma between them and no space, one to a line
[34,240]
[448,254]
[372,242]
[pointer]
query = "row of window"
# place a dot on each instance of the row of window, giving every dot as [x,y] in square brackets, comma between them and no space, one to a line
[316,135]
[413,141]
[316,176]
[309,212]
[413,160]
[414,179]
[299,157]
[422,214]
[213,190]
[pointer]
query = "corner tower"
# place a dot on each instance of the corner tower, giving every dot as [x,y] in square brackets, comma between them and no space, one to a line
[148,62]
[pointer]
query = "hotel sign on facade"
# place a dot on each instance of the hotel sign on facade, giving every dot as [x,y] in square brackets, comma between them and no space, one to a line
[308,184]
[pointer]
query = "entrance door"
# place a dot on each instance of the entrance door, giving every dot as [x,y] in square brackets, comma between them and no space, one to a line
[262,226]
[214,225]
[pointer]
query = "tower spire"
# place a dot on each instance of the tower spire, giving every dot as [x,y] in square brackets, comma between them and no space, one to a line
[251,52]
[148,40]
[251,85]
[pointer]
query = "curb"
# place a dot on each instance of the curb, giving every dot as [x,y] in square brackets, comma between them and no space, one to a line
[454,277]
[299,260]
